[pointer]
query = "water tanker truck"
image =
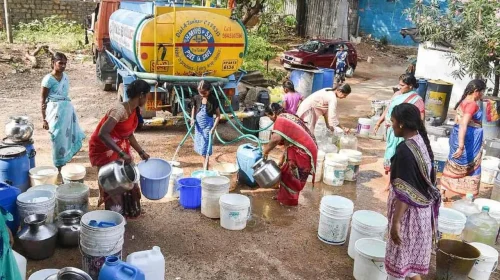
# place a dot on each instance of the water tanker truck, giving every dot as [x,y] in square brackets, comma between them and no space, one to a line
[172,46]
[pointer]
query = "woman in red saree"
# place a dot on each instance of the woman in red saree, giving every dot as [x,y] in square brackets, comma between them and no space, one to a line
[298,160]
[112,140]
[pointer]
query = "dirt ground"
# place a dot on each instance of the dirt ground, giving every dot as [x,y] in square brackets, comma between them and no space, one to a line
[278,243]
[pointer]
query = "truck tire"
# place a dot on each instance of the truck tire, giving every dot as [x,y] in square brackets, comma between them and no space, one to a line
[101,67]
[226,132]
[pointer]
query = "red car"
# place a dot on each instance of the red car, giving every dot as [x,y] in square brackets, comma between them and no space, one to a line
[319,53]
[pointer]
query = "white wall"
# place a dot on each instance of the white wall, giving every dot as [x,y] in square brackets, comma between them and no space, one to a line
[433,63]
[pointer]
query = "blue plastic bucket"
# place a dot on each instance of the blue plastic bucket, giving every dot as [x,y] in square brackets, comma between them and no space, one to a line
[422,88]
[189,192]
[155,176]
[14,167]
[8,198]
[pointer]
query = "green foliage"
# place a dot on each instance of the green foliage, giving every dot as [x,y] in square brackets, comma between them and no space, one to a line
[259,52]
[290,21]
[470,27]
[384,41]
[62,34]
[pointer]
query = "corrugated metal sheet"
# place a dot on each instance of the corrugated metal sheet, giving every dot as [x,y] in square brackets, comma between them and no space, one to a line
[327,20]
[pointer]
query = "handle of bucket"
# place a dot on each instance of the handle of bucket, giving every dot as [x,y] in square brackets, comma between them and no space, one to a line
[378,267]
[80,245]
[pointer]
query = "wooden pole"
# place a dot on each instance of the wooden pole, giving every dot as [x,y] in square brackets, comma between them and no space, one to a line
[8,28]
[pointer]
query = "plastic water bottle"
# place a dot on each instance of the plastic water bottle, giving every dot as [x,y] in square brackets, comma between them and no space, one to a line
[466,206]
[151,262]
[481,228]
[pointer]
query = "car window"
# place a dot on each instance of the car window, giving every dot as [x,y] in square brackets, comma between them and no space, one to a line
[311,46]
[331,49]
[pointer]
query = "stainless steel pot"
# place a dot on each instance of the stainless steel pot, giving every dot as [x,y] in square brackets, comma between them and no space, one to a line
[68,227]
[117,177]
[19,129]
[38,239]
[266,173]
[70,273]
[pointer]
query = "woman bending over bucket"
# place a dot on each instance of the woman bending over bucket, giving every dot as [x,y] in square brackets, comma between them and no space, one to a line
[112,140]
[414,200]
[205,115]
[58,114]
[299,158]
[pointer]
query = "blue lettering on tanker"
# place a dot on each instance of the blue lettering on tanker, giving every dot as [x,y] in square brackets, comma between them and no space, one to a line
[199,44]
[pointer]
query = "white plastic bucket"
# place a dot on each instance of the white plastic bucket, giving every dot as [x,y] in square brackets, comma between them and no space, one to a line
[441,150]
[335,166]
[43,274]
[364,127]
[177,173]
[102,242]
[486,264]
[352,171]
[451,223]
[230,170]
[72,196]
[369,260]
[489,169]
[73,173]
[319,168]
[235,211]
[43,175]
[212,188]
[335,215]
[264,122]
[36,202]
[366,224]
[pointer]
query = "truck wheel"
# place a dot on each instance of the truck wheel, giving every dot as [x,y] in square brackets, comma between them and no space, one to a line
[99,67]
[226,132]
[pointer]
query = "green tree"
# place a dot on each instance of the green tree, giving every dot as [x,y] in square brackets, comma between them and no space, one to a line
[471,28]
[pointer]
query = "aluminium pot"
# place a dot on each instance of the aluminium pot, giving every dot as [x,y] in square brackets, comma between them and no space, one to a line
[19,129]
[117,177]
[266,173]
[70,273]
[38,239]
[68,227]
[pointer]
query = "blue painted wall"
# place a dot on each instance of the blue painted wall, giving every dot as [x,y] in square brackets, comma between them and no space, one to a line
[383,18]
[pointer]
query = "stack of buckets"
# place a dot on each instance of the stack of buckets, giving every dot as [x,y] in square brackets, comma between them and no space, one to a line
[335,216]
[36,202]
[97,243]
[351,173]
[319,168]
[366,224]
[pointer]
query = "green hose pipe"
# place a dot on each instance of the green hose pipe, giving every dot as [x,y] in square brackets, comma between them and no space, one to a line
[178,79]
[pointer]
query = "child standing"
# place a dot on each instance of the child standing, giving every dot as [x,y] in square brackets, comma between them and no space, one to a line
[205,115]
[292,99]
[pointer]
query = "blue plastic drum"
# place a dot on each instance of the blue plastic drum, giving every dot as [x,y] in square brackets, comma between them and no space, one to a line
[8,198]
[30,148]
[14,167]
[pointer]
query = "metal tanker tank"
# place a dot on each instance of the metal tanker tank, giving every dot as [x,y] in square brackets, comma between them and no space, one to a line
[205,41]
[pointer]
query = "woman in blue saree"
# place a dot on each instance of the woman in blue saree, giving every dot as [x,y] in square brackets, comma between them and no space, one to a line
[462,172]
[59,116]
[341,63]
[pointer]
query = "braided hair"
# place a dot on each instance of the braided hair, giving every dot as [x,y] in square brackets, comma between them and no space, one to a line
[409,116]
[472,86]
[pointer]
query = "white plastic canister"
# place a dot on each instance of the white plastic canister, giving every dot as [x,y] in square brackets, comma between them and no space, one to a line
[366,224]
[364,127]
[177,173]
[489,169]
[212,188]
[235,211]
[352,170]
[151,262]
[319,168]
[335,215]
[334,169]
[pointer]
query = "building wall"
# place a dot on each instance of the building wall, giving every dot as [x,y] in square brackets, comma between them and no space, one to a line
[29,10]
[385,18]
